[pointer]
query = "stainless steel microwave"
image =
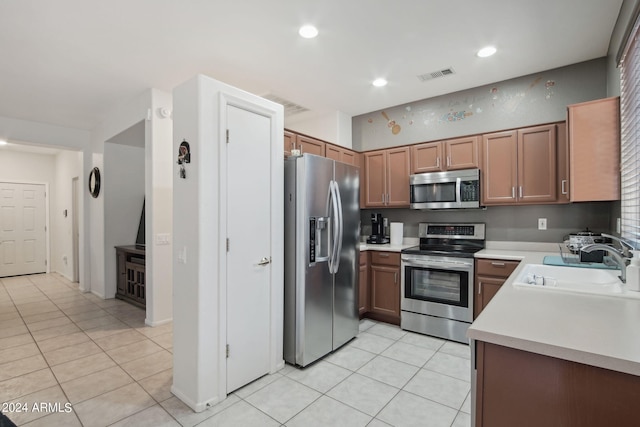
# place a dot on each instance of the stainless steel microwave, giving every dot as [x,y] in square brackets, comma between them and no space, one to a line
[445,190]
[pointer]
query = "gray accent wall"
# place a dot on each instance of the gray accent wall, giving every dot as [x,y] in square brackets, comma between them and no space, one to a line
[509,223]
[524,101]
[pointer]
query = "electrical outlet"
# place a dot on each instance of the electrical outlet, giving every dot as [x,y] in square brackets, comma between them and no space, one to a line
[542,223]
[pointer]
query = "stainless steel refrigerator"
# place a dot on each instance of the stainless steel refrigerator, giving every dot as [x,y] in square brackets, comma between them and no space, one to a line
[322,234]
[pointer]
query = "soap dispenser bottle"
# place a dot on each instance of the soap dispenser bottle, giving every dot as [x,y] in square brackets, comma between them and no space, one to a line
[633,272]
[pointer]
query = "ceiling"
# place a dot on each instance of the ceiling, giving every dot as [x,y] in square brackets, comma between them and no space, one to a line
[69,62]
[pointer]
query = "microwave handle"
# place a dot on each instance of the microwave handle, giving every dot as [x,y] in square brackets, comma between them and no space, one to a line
[458,191]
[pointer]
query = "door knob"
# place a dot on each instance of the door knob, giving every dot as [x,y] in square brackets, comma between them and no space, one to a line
[264,261]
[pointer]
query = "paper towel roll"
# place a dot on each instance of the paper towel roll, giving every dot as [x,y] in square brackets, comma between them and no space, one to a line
[396,233]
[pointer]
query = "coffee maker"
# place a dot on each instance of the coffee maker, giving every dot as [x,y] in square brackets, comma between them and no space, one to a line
[377,230]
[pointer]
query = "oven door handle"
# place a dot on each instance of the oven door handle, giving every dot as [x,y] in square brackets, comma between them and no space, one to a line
[440,266]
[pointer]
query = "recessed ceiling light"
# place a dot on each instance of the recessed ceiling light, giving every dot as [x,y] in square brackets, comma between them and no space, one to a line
[308,31]
[3,142]
[486,51]
[379,82]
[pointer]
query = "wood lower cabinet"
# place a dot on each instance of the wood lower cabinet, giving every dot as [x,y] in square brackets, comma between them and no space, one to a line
[385,287]
[519,166]
[519,388]
[131,282]
[490,275]
[387,178]
[363,291]
[594,150]
[452,154]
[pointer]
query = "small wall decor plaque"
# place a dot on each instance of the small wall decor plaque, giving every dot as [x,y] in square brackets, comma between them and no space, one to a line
[184,156]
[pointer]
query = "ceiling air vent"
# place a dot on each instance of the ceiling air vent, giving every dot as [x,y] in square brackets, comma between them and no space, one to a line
[435,74]
[290,108]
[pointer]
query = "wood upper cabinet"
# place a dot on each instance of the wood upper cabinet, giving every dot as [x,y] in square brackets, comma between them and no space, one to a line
[289,142]
[385,286]
[452,154]
[562,159]
[519,166]
[594,150]
[310,145]
[340,154]
[387,177]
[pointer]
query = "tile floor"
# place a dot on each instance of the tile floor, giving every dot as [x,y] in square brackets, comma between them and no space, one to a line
[93,362]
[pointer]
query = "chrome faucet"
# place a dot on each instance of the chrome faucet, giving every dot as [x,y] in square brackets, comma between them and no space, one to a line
[617,255]
[624,244]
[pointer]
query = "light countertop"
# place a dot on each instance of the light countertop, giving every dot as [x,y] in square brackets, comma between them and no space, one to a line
[407,242]
[602,331]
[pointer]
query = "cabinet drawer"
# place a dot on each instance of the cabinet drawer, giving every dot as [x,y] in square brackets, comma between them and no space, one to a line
[385,258]
[363,258]
[495,267]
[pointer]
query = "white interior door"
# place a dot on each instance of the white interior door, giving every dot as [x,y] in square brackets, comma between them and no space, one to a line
[249,251]
[22,229]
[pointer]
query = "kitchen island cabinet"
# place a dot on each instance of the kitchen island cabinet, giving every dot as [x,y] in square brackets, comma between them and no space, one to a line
[519,166]
[520,388]
[385,287]
[386,181]
[452,154]
[594,150]
[490,276]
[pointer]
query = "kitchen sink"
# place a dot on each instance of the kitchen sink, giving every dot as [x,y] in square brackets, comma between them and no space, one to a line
[573,279]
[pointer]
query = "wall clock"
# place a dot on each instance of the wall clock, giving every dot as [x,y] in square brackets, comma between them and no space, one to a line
[94,182]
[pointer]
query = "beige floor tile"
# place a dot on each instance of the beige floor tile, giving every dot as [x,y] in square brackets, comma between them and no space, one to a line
[76,308]
[164,340]
[18,352]
[159,385]
[106,330]
[187,417]
[62,341]
[59,419]
[152,331]
[8,314]
[88,315]
[72,352]
[16,340]
[11,324]
[120,339]
[14,330]
[26,384]
[155,416]
[134,351]
[29,298]
[44,316]
[113,406]
[89,386]
[149,365]
[52,397]
[37,308]
[80,367]
[21,367]
[57,331]
[49,323]
[97,321]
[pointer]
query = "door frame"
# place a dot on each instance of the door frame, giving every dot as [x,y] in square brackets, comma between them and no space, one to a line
[75,227]
[264,108]
[47,225]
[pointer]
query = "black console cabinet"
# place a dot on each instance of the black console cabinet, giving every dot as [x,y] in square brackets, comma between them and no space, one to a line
[131,285]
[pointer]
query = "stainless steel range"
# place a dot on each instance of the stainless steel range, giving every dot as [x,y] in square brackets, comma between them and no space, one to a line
[437,280]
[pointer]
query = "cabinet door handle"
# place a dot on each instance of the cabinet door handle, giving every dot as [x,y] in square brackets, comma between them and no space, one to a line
[438,162]
[513,192]
[480,288]
[383,255]
[498,264]
[395,277]
[448,161]
[564,190]
[520,191]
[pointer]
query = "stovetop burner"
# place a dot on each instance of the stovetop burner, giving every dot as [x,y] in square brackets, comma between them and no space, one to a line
[457,240]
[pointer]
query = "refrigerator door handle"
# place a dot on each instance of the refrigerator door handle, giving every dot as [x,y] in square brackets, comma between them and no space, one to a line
[340,224]
[333,211]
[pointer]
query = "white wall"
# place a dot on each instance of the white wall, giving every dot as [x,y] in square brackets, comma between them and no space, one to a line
[68,165]
[334,127]
[123,181]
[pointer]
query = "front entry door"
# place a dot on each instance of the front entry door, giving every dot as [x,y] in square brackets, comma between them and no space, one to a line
[249,250]
[22,229]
